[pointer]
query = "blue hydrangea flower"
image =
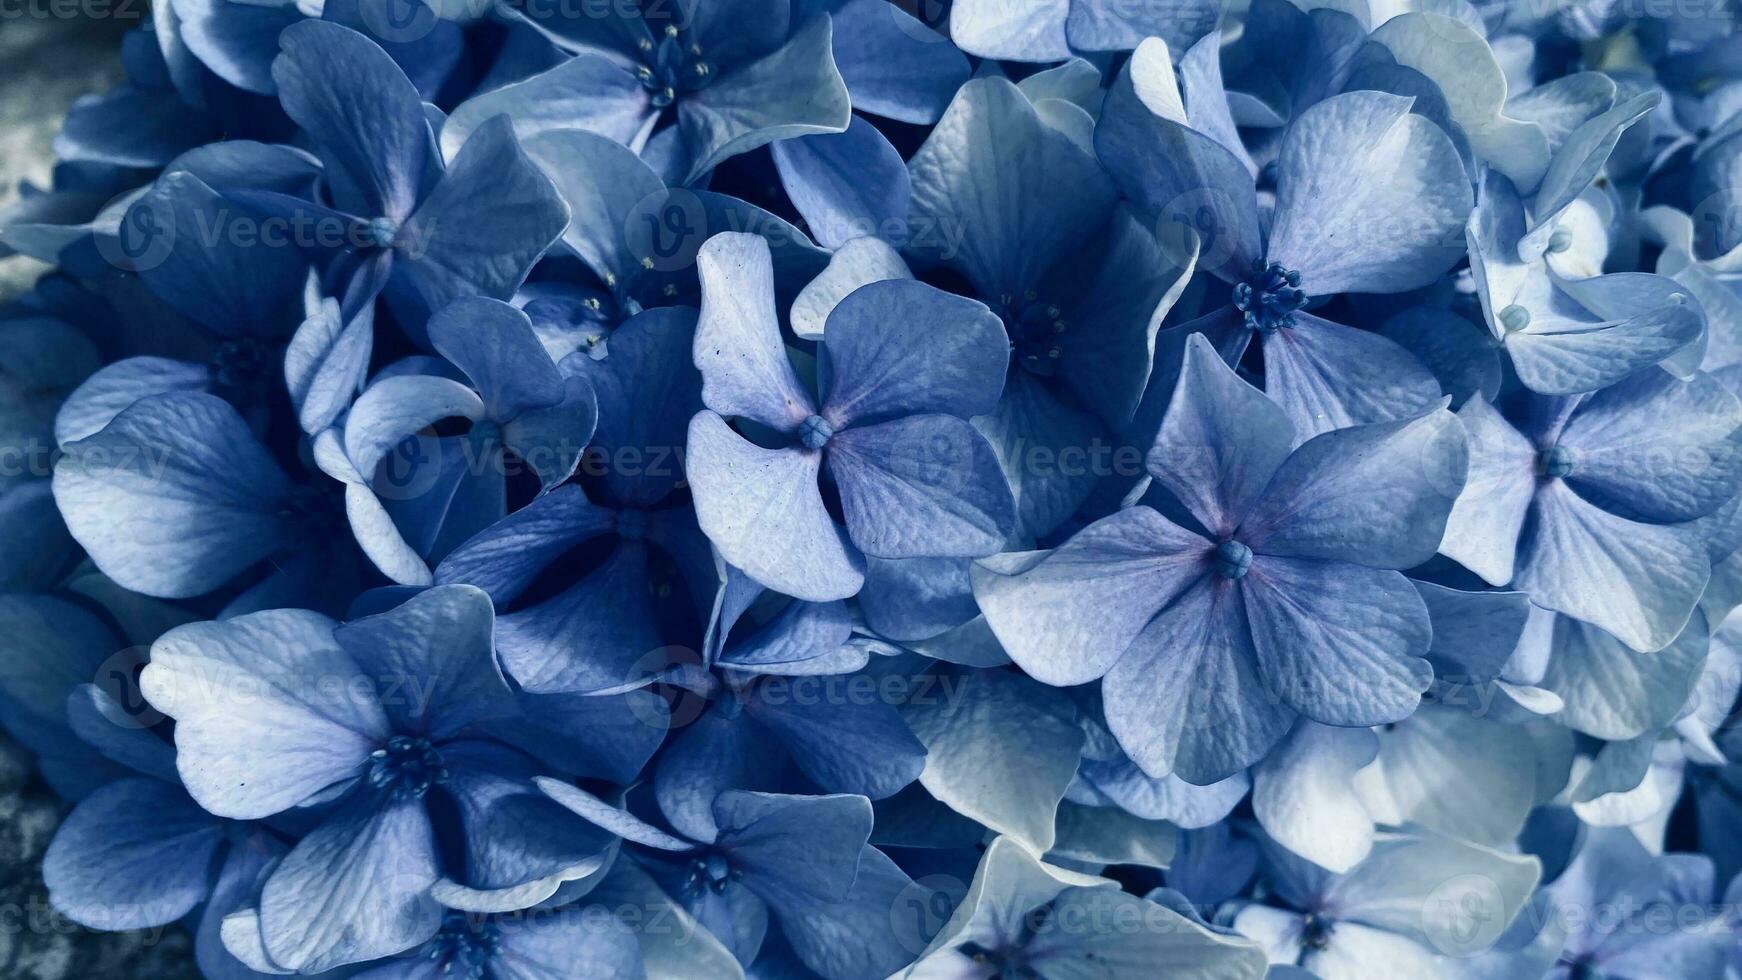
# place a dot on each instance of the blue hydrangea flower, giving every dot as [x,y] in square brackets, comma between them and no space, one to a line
[1586,502]
[400,220]
[906,366]
[369,722]
[800,862]
[728,76]
[784,692]
[1420,904]
[1595,919]
[1282,574]
[1054,30]
[176,497]
[532,945]
[645,558]
[1080,284]
[1022,917]
[639,240]
[1367,197]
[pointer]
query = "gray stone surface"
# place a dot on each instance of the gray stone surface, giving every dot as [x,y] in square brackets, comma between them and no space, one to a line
[47,63]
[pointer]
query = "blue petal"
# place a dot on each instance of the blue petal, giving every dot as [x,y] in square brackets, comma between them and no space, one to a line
[550,441]
[763,509]
[793,91]
[432,660]
[1340,643]
[614,819]
[1000,750]
[597,736]
[1614,693]
[1639,582]
[900,347]
[539,948]
[174,497]
[744,365]
[1220,443]
[109,868]
[131,126]
[520,846]
[794,851]
[1368,197]
[924,486]
[841,940]
[365,119]
[230,273]
[1482,531]
[803,631]
[860,747]
[916,598]
[1109,343]
[394,409]
[599,634]
[1052,453]
[1460,355]
[480,230]
[1328,376]
[994,29]
[118,733]
[1594,332]
[894,65]
[847,184]
[1111,25]
[1656,449]
[505,559]
[326,363]
[1375,494]
[104,395]
[237,41]
[1067,619]
[715,753]
[355,889]
[1187,697]
[256,732]
[991,149]
[494,345]
[607,187]
[1177,175]
[589,92]
[426,45]
[647,390]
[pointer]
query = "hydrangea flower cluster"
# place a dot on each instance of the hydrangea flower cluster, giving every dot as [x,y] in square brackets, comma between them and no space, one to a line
[1059,490]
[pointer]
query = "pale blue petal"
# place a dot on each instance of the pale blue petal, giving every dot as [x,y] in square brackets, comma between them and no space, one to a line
[1369,197]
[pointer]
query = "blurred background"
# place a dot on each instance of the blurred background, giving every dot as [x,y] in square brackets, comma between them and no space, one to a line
[52,52]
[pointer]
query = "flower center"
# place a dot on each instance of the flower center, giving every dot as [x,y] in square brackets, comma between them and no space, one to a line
[1555,462]
[462,949]
[1316,932]
[711,872]
[383,232]
[1007,962]
[632,524]
[671,67]
[1268,299]
[1232,559]
[314,509]
[240,366]
[407,766]
[1036,330]
[1560,241]
[815,432]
